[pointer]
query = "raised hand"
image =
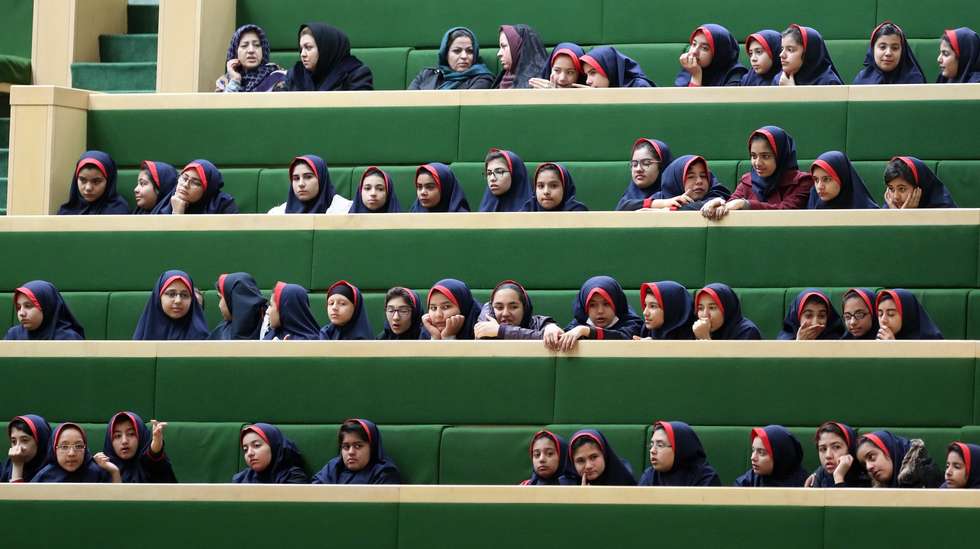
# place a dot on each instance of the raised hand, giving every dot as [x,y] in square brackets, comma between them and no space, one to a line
[157,427]
[702,328]
[843,466]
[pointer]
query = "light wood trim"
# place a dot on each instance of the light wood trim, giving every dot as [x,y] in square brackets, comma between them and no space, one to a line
[5,87]
[193,39]
[66,31]
[518,495]
[478,349]
[44,96]
[93,18]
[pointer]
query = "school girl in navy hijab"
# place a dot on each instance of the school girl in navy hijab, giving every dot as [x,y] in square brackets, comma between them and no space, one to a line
[69,459]
[290,317]
[413,302]
[199,191]
[777,459]
[901,316]
[94,191]
[143,460]
[676,311]
[458,301]
[342,296]
[451,196]
[172,312]
[550,460]
[270,457]
[588,444]
[519,192]
[833,327]
[816,68]
[390,204]
[845,190]
[676,194]
[858,306]
[759,74]
[930,191]
[716,302]
[242,305]
[37,428]
[601,312]
[39,297]
[163,181]
[897,462]
[544,198]
[834,441]
[967,474]
[903,70]
[679,460]
[963,44]
[362,458]
[724,69]
[326,199]
[620,70]
[644,181]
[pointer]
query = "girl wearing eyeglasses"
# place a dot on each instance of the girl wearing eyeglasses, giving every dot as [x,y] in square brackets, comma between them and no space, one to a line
[650,157]
[403,314]
[362,458]
[172,312]
[677,458]
[859,314]
[199,191]
[70,460]
[507,185]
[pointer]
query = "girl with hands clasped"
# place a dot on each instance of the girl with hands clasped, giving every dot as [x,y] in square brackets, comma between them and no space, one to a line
[909,183]
[836,446]
[137,451]
[452,311]
[601,312]
[70,460]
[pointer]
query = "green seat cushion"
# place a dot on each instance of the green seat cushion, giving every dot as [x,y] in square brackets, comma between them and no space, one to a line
[464,451]
[962,178]
[848,56]
[973,314]
[926,52]
[765,307]
[91,309]
[924,20]
[14,69]
[866,120]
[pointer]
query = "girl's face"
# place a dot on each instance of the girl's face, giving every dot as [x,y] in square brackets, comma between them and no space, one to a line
[20,439]
[888,315]
[830,448]
[125,441]
[759,59]
[257,453]
[762,156]
[273,310]
[661,452]
[948,62]
[653,313]
[503,54]
[374,192]
[176,300]
[791,56]
[544,457]
[498,176]
[709,310]
[594,78]
[827,187]
[696,181]
[399,315]
[190,188]
[250,50]
[955,470]
[857,316]
[589,461]
[814,312]
[339,309]
[701,48]
[91,183]
[70,449]
[548,189]
[308,52]
[355,451]
[644,167]
[144,192]
[900,190]
[28,314]
[878,465]
[223,307]
[563,72]
[440,309]
[507,307]
[762,462]
[427,190]
[305,184]
[461,54]
[887,52]
[601,312]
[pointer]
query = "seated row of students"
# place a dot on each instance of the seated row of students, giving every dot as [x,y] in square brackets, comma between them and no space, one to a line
[601,312]
[658,182]
[712,59]
[134,453]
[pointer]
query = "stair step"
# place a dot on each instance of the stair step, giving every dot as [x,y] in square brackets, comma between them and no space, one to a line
[4,133]
[114,76]
[143,19]
[128,48]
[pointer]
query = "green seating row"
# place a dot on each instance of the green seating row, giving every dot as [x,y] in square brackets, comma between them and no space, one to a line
[113,315]
[15,42]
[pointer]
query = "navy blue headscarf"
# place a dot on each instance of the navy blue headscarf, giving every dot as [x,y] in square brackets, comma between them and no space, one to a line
[634,196]
[213,201]
[834,328]
[358,327]
[245,303]
[621,71]
[163,176]
[818,68]
[565,466]
[934,193]
[517,195]
[678,307]
[295,317]
[610,290]
[252,78]
[334,64]
[674,175]
[772,42]
[415,302]
[971,459]
[57,323]
[618,471]
[868,297]
[724,70]
[40,431]
[894,446]
[784,147]
[143,467]
[110,203]
[787,459]
[391,204]
[155,325]
[568,202]
[855,475]
[452,79]
[736,326]
[853,194]
[966,45]
[89,471]
[573,51]
[286,466]
[916,323]
[325,194]
[379,470]
[459,293]
[908,70]
[691,467]
[451,195]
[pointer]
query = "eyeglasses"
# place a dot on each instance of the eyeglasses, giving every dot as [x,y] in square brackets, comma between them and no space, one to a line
[859,316]
[499,172]
[397,311]
[186,180]
[65,448]
[659,445]
[646,163]
[173,294]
